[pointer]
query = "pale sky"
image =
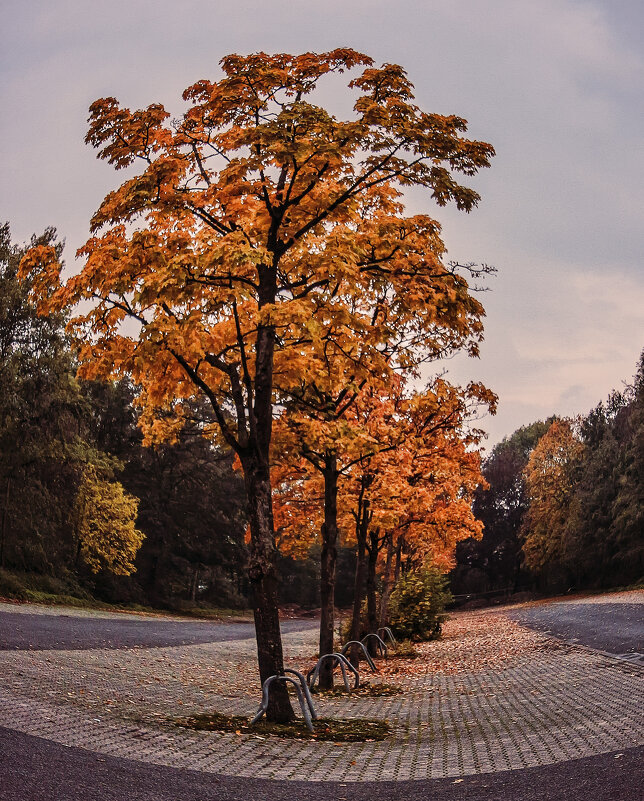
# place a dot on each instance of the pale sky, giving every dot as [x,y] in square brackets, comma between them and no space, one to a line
[555,85]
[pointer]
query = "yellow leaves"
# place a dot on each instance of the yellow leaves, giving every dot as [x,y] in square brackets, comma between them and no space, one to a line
[106,517]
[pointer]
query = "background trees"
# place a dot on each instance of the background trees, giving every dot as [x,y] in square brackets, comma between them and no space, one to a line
[606,531]
[550,478]
[40,405]
[564,504]
[70,448]
[494,562]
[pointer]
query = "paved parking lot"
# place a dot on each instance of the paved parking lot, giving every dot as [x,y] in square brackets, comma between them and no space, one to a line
[542,703]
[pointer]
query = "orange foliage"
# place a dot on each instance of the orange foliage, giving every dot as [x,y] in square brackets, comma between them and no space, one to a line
[549,483]
[410,456]
[260,222]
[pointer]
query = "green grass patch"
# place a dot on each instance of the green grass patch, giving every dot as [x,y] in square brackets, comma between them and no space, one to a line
[364,691]
[357,730]
[38,588]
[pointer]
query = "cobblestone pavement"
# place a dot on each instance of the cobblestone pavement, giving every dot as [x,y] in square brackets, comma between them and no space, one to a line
[544,702]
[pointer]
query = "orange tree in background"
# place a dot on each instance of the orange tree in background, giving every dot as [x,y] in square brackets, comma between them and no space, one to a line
[549,476]
[319,439]
[404,307]
[417,493]
[206,265]
[404,470]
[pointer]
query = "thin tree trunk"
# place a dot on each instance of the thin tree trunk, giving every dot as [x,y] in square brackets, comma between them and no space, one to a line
[387,581]
[5,518]
[327,567]
[82,504]
[372,614]
[193,584]
[263,582]
[398,560]
[360,575]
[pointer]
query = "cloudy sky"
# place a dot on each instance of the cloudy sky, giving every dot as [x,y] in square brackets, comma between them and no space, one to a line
[555,85]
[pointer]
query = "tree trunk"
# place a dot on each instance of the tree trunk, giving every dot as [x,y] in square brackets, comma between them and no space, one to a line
[372,614]
[255,432]
[5,517]
[327,567]
[359,582]
[387,582]
[263,582]
[398,560]
[193,584]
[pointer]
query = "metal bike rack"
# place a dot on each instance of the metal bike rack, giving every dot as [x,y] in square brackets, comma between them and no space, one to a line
[368,658]
[380,644]
[387,632]
[305,690]
[338,659]
[306,704]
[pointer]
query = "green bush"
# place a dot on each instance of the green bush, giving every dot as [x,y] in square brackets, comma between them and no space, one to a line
[404,649]
[417,604]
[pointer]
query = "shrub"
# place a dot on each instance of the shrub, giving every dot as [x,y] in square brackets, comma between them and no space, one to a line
[12,587]
[39,588]
[417,604]
[404,649]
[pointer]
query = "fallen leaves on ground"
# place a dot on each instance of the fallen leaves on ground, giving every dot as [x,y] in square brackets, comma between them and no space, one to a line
[470,642]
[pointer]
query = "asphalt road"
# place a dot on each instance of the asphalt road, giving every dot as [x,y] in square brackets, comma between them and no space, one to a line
[613,627]
[24,631]
[33,769]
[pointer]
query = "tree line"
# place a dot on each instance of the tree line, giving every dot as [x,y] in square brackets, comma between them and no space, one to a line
[82,501]
[564,506]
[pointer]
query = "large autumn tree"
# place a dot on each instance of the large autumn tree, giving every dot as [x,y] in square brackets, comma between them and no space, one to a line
[208,264]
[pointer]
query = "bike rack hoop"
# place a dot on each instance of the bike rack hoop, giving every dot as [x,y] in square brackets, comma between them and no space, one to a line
[379,643]
[367,656]
[304,703]
[338,659]
[387,632]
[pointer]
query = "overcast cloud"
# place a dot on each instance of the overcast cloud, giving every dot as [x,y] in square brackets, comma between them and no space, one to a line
[554,85]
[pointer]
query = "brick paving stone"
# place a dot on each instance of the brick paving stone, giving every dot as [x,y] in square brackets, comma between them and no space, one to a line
[549,704]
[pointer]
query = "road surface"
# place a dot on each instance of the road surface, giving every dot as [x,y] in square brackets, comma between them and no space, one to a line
[61,632]
[37,769]
[33,769]
[617,628]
